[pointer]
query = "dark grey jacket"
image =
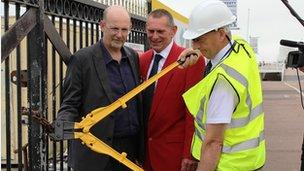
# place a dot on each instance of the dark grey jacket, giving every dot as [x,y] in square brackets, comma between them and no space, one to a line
[86,88]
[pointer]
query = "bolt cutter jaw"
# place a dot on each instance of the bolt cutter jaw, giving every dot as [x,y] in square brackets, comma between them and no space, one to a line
[64,130]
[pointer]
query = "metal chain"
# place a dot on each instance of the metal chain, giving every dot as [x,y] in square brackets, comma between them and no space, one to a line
[39,118]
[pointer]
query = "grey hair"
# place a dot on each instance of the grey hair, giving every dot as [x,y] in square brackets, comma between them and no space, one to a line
[105,13]
[158,13]
[227,30]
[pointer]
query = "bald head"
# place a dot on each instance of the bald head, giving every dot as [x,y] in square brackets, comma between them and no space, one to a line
[116,11]
[116,25]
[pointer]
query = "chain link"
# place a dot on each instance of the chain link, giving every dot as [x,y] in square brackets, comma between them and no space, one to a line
[39,118]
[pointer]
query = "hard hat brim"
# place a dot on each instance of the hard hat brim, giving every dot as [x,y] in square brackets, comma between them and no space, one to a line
[188,34]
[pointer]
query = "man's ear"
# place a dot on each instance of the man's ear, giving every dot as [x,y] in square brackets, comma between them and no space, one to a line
[222,34]
[174,30]
[102,24]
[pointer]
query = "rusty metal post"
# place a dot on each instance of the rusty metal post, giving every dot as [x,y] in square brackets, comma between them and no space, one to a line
[36,86]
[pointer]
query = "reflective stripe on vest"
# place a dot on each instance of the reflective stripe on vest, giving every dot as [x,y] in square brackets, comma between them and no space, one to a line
[245,145]
[255,112]
[235,122]
[200,114]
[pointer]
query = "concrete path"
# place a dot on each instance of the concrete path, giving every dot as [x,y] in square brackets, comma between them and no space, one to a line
[284,125]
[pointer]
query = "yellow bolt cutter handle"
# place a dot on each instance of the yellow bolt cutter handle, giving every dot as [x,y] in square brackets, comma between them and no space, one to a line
[100,113]
[75,130]
[99,146]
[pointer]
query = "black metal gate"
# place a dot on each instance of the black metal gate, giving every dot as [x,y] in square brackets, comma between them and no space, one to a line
[37,43]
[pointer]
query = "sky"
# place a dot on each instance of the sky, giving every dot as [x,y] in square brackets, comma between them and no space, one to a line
[269,20]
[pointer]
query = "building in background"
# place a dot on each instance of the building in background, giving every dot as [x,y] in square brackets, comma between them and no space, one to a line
[232,5]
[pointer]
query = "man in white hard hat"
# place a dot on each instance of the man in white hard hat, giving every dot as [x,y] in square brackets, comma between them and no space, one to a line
[227,103]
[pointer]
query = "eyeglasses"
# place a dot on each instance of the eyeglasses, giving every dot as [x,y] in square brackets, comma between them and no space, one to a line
[116,30]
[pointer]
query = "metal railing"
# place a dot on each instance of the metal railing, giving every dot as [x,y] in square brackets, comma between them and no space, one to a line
[38,38]
[137,7]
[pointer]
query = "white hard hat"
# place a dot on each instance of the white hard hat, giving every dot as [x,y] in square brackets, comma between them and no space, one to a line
[207,16]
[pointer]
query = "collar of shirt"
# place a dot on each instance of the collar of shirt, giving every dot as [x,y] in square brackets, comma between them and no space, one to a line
[107,56]
[164,53]
[221,55]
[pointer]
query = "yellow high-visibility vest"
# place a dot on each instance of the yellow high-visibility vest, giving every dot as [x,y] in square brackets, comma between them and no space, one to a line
[244,142]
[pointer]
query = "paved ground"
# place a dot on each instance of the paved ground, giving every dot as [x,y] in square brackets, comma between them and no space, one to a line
[284,125]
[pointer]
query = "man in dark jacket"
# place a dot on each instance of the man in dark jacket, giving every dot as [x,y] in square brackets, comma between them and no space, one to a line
[97,76]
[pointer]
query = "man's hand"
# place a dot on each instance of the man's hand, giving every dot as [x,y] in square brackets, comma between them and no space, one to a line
[190,57]
[188,165]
